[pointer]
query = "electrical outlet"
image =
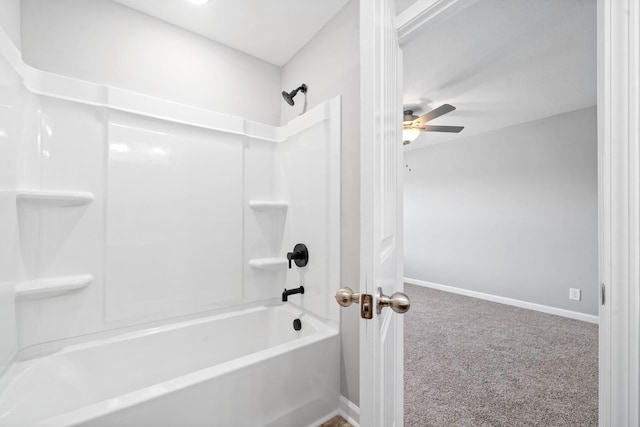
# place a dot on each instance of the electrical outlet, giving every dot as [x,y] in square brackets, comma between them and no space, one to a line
[575,294]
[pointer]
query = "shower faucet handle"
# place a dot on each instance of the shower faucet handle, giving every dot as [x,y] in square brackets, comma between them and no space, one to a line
[300,255]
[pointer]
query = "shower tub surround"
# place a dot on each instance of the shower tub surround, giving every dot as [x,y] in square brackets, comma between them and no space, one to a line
[194,373]
[132,211]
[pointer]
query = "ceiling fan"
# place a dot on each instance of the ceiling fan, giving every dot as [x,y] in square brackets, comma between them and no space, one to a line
[412,125]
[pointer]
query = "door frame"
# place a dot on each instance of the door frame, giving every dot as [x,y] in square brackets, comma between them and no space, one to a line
[618,70]
[618,216]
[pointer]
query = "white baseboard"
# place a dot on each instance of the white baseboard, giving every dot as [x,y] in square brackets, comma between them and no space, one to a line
[508,301]
[349,411]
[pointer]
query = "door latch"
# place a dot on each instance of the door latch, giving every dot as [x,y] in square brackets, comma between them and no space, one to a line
[345,297]
[366,306]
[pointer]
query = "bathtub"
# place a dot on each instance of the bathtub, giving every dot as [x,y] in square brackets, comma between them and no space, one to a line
[246,368]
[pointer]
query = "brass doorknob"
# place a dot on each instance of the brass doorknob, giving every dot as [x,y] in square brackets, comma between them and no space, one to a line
[345,296]
[399,302]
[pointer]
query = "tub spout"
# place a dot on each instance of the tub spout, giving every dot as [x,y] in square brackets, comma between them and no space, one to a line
[286,293]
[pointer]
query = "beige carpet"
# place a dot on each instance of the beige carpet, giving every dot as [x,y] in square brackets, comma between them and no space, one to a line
[470,362]
[336,421]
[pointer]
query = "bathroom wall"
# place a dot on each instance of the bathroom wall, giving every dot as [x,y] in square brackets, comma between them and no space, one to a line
[169,230]
[11,94]
[173,219]
[329,65]
[105,42]
[62,149]
[510,213]
[10,19]
[309,173]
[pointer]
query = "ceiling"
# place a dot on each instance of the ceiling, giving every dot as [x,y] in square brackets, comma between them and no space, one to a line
[273,31]
[499,62]
[502,63]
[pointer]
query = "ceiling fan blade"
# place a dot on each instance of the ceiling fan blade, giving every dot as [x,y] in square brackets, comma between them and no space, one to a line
[437,112]
[454,129]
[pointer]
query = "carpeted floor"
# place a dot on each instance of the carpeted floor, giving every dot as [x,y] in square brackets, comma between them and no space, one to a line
[470,362]
[336,421]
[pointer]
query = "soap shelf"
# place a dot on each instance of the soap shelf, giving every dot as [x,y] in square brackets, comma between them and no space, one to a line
[54,198]
[272,264]
[268,263]
[263,205]
[52,286]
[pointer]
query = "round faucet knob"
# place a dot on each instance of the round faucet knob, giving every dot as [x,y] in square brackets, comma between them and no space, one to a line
[300,255]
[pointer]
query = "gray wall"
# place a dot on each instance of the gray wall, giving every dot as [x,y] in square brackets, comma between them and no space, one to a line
[10,20]
[105,42]
[330,65]
[511,213]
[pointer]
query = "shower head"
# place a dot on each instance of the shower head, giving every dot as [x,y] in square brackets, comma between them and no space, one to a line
[288,96]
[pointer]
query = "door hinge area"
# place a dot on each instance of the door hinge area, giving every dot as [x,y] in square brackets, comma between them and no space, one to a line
[603,293]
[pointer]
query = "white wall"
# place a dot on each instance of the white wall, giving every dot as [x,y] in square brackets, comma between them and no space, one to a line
[173,219]
[10,19]
[511,213]
[11,95]
[104,42]
[309,167]
[169,231]
[329,65]
[402,5]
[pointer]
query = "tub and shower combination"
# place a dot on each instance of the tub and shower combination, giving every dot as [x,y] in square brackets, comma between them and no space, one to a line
[152,238]
[245,368]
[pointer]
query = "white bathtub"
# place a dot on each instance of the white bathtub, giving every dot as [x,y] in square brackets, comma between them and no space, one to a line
[247,368]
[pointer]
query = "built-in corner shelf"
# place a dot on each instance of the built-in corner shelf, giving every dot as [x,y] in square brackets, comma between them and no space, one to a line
[268,263]
[264,205]
[54,198]
[52,286]
[272,264]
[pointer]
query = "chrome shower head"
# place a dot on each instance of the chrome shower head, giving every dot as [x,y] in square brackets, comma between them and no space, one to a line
[288,96]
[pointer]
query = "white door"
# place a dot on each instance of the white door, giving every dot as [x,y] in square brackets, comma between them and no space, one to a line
[381,351]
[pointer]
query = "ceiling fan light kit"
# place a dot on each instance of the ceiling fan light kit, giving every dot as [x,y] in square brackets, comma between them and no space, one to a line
[409,135]
[412,125]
